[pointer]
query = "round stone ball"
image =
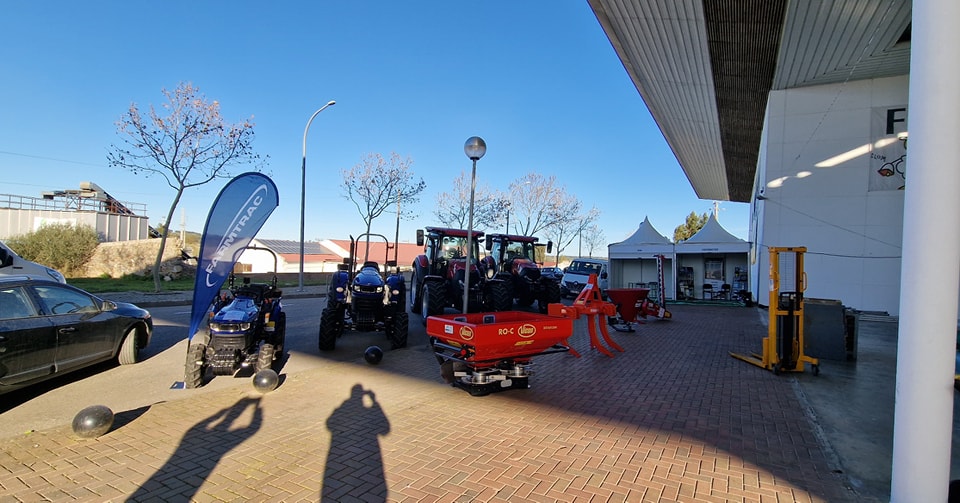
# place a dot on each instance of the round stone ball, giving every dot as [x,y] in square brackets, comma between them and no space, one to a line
[373,355]
[266,380]
[93,421]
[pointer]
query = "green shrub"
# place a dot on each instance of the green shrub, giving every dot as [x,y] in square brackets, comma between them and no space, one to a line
[64,247]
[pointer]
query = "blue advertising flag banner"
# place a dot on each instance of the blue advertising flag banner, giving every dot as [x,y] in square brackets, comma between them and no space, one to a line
[236,216]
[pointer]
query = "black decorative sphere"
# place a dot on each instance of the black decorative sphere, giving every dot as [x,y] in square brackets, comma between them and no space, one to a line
[266,380]
[93,421]
[373,355]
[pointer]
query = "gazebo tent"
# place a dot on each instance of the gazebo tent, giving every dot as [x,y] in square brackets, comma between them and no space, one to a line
[633,261]
[712,256]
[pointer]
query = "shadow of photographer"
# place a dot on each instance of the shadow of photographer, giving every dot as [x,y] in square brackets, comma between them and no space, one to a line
[354,464]
[199,451]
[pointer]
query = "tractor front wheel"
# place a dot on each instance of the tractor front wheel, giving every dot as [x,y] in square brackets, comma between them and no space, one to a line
[328,329]
[265,357]
[432,302]
[195,367]
[500,297]
[549,294]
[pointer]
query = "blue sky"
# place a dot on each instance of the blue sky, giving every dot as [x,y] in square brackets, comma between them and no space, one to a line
[537,80]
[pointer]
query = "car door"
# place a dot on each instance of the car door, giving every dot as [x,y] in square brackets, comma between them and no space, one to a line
[28,341]
[85,334]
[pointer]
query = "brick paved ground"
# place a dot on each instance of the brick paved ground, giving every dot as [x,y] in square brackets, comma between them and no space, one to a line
[673,418]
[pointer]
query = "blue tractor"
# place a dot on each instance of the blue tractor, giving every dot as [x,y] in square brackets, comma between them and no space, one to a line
[246,329]
[365,299]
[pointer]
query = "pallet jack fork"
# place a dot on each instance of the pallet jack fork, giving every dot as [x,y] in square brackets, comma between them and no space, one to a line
[782,349]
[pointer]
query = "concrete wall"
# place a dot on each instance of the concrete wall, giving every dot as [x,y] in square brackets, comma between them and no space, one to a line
[819,157]
[110,227]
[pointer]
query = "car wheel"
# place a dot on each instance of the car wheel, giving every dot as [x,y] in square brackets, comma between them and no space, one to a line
[129,349]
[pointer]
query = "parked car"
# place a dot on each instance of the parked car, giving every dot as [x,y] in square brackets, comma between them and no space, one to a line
[576,275]
[12,264]
[48,329]
[552,272]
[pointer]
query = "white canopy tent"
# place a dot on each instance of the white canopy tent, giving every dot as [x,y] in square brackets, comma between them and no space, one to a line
[633,261]
[714,257]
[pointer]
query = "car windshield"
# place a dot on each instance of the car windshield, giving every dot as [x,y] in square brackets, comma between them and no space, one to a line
[585,268]
[452,247]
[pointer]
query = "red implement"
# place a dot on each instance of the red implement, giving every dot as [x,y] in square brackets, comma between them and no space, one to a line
[633,302]
[590,304]
[486,352]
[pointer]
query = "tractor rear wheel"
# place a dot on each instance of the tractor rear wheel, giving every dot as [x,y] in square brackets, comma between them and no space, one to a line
[195,367]
[279,334]
[397,334]
[328,329]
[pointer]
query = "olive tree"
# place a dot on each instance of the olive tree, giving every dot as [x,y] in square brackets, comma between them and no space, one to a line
[376,184]
[186,142]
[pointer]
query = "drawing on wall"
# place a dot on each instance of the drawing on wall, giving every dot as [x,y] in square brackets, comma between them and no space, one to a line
[888,158]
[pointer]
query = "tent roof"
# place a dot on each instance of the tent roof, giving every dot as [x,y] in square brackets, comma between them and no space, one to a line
[645,242]
[713,238]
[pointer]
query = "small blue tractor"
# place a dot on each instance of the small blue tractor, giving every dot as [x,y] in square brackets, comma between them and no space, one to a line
[366,298]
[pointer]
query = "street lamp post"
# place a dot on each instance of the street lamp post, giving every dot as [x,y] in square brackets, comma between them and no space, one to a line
[475,147]
[303,187]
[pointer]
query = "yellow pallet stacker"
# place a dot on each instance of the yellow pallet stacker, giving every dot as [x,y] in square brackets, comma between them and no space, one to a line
[782,349]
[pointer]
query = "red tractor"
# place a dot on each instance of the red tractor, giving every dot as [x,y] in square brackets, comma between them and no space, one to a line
[514,260]
[439,273]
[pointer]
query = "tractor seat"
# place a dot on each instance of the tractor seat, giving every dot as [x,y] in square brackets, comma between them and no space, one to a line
[371,264]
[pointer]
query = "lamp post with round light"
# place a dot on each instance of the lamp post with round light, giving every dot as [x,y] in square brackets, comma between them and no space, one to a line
[475,147]
[303,187]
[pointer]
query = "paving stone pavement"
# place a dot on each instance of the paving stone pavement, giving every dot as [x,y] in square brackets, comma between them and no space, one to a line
[673,418]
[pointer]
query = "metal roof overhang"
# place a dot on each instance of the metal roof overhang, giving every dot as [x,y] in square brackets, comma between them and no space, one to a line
[704,68]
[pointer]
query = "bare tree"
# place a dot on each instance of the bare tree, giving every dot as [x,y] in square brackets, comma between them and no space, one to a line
[377,184]
[564,232]
[188,146]
[538,203]
[593,239]
[453,207]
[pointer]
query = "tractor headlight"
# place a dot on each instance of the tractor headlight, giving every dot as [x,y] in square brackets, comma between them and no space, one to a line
[490,273]
[356,288]
[244,327]
[379,289]
[339,289]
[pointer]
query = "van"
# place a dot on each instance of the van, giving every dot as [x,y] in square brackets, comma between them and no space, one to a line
[576,275]
[12,264]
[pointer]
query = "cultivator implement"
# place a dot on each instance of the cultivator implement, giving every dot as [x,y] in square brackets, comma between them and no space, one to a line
[632,303]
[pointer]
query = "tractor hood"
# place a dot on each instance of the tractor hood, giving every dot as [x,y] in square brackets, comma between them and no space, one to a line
[526,268]
[368,278]
[239,310]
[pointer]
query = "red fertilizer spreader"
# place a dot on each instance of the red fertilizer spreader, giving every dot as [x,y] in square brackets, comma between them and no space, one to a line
[487,352]
[631,303]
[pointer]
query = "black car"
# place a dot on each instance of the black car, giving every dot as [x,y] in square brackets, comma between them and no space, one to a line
[552,272]
[49,328]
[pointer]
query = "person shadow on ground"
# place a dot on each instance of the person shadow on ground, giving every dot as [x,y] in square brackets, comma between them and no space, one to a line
[354,467]
[199,451]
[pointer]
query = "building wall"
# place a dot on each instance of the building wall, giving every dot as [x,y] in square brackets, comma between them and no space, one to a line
[110,227]
[820,148]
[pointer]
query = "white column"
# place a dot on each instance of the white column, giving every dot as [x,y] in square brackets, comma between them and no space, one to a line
[930,267]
